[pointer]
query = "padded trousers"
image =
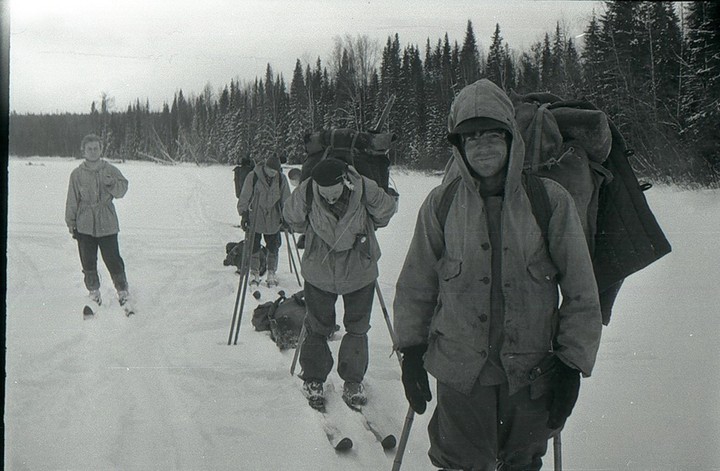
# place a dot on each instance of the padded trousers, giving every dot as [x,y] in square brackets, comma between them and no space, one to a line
[315,357]
[488,429]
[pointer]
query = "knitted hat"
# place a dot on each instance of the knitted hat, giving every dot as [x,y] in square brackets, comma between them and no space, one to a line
[329,172]
[274,163]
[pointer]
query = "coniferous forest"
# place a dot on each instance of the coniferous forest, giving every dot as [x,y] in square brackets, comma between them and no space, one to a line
[653,67]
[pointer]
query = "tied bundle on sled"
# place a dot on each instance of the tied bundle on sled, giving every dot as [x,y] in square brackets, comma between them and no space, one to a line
[234,256]
[283,318]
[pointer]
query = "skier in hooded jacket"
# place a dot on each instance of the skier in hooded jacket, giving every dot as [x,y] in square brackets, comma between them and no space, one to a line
[261,202]
[338,210]
[91,218]
[477,302]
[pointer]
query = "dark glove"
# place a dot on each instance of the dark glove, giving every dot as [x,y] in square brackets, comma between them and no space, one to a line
[415,378]
[245,221]
[564,393]
[74,233]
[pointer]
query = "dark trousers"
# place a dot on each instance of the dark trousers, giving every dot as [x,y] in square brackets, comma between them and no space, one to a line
[488,428]
[272,244]
[315,358]
[88,248]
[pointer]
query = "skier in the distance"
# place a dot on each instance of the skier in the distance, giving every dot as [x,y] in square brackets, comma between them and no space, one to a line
[476,303]
[91,218]
[338,210]
[260,206]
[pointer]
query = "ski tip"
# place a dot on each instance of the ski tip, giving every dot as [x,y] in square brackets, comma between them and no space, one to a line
[389,442]
[344,444]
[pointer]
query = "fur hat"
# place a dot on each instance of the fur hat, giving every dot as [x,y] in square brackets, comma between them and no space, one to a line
[329,172]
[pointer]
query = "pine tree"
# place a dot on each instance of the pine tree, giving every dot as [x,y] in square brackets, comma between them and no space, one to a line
[495,60]
[469,58]
[703,83]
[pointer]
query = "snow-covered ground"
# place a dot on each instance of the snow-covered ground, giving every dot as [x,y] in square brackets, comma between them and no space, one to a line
[163,390]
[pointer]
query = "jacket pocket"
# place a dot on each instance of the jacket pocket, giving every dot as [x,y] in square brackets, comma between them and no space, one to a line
[448,268]
[542,376]
[543,271]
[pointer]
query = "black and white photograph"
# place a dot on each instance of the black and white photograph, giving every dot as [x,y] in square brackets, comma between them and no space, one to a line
[361,235]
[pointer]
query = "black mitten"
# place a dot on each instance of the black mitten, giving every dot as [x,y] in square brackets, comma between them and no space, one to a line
[415,378]
[245,221]
[565,390]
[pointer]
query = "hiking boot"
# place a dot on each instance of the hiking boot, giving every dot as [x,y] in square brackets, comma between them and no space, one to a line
[254,279]
[354,394]
[313,391]
[95,296]
[123,296]
[272,279]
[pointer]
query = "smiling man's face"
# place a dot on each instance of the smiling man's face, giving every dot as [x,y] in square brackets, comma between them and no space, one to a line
[486,151]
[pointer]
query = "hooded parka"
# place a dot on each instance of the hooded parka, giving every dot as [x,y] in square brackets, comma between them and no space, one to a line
[340,255]
[269,196]
[443,291]
[89,206]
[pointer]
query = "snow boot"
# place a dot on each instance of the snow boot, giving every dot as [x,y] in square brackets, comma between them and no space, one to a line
[272,279]
[313,391]
[254,278]
[95,296]
[354,394]
[123,297]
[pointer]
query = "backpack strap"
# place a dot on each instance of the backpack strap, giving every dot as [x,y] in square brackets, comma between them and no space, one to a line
[534,187]
[446,200]
[539,200]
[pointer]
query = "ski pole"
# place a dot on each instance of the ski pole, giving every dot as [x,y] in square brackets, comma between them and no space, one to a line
[244,272]
[292,260]
[297,251]
[557,452]
[289,250]
[301,339]
[253,225]
[386,315]
[410,416]
[243,276]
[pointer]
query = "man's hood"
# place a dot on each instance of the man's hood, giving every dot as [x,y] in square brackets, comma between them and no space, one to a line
[484,99]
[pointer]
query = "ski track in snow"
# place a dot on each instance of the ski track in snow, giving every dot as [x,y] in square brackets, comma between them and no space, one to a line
[163,390]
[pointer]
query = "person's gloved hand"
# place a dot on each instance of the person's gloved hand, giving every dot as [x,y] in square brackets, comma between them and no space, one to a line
[564,393]
[415,378]
[245,221]
[73,232]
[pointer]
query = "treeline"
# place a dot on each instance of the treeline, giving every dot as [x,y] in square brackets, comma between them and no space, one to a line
[654,67]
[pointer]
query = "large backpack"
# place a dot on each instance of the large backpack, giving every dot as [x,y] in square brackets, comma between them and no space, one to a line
[575,144]
[240,172]
[366,151]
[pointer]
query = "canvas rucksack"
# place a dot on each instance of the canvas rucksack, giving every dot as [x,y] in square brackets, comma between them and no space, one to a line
[240,172]
[575,144]
[283,318]
[366,151]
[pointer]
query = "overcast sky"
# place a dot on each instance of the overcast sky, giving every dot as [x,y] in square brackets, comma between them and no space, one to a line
[65,54]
